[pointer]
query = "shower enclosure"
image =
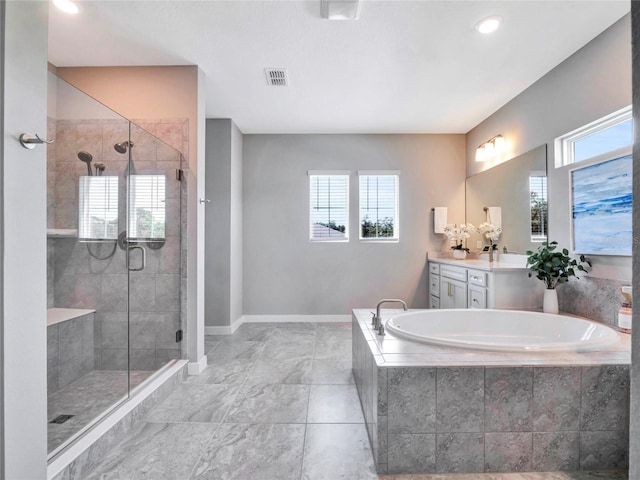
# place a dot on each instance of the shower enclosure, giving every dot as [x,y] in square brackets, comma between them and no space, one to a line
[115,195]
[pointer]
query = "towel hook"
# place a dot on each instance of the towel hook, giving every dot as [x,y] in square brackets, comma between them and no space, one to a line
[27,141]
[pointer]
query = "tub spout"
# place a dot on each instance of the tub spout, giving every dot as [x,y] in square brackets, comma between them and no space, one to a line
[377,320]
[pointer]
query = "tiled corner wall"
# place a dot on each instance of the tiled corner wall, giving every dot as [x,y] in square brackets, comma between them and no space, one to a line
[78,280]
[595,298]
[70,352]
[493,419]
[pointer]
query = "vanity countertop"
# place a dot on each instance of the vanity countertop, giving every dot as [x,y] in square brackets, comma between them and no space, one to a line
[511,265]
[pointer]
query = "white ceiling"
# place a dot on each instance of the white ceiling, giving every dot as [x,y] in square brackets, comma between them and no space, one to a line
[403,67]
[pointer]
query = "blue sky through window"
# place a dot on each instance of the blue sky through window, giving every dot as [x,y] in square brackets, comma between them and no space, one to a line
[612,138]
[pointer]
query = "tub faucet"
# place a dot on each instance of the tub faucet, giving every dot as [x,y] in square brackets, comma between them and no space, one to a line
[377,320]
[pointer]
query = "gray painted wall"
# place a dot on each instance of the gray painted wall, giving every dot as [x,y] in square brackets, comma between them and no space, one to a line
[24,401]
[284,273]
[634,427]
[594,82]
[223,256]
[236,227]
[2,95]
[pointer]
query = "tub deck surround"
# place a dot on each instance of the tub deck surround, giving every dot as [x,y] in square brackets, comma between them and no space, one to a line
[432,409]
[391,351]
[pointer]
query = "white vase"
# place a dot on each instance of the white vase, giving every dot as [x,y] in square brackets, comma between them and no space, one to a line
[550,301]
[459,254]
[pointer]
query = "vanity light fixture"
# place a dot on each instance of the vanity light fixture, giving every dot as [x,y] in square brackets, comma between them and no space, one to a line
[489,24]
[490,148]
[67,6]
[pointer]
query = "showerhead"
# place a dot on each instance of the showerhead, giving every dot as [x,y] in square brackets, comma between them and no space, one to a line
[122,147]
[86,157]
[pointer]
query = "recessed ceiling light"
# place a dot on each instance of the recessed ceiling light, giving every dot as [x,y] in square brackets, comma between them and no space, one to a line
[340,9]
[489,24]
[67,6]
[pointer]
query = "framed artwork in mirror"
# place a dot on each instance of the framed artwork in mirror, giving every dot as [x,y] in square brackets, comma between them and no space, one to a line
[601,207]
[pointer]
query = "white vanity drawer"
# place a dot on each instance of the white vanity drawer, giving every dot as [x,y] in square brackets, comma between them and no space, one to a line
[477,277]
[477,297]
[456,273]
[434,302]
[434,268]
[434,285]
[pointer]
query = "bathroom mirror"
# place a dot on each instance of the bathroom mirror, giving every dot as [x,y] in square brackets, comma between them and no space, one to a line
[518,187]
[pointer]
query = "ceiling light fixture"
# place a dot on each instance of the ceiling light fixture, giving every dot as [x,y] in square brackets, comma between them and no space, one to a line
[489,24]
[67,6]
[490,148]
[340,9]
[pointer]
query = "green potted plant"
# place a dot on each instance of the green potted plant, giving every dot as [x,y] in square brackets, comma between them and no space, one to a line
[553,268]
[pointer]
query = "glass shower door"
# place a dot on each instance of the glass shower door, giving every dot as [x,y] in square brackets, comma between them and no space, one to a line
[114,258]
[154,248]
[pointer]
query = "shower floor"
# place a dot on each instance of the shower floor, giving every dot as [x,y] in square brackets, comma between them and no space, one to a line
[85,399]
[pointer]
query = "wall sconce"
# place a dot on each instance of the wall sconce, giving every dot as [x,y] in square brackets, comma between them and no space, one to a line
[490,148]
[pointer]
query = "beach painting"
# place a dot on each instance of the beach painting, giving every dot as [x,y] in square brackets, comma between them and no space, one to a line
[601,203]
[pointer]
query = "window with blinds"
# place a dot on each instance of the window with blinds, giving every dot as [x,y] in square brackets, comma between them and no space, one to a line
[98,208]
[147,207]
[539,205]
[379,209]
[328,206]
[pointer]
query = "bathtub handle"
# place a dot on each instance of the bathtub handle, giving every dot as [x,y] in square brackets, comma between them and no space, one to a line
[144,258]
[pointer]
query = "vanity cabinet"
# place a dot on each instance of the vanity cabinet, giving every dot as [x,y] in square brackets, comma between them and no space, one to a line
[454,293]
[480,284]
[453,287]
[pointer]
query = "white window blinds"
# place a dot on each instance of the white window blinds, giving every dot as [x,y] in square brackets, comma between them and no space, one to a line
[538,191]
[98,208]
[328,206]
[147,207]
[379,212]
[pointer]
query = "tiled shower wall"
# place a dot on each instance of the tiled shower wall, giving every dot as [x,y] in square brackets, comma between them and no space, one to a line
[78,280]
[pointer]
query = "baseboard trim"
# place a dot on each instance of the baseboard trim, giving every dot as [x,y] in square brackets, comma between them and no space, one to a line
[216,330]
[196,368]
[296,318]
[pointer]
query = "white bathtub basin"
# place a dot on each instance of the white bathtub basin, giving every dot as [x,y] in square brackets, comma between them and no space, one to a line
[502,330]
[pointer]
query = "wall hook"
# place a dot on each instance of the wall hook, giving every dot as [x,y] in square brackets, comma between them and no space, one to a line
[27,141]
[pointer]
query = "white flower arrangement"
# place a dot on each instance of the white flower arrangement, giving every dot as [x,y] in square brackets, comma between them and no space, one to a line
[459,234]
[490,232]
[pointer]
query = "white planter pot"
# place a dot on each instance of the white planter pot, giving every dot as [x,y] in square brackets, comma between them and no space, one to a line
[459,254]
[550,301]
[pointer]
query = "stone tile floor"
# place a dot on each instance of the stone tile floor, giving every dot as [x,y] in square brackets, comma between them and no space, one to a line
[276,402]
[86,399]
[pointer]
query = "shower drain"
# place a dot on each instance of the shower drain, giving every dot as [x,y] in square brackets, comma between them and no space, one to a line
[61,419]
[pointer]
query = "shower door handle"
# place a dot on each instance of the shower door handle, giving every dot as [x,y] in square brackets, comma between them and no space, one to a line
[144,257]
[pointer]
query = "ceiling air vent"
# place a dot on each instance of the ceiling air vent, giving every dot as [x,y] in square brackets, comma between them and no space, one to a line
[277,77]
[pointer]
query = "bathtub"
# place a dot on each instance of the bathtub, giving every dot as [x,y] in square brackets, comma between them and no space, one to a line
[502,330]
